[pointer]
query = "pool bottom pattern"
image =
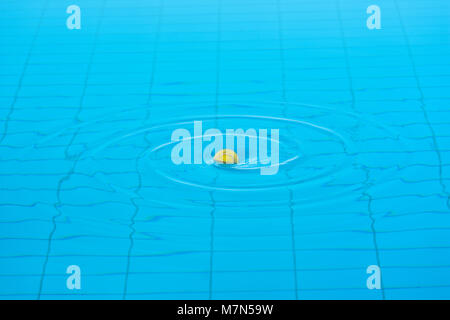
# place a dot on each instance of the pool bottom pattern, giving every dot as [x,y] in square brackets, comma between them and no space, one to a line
[86,179]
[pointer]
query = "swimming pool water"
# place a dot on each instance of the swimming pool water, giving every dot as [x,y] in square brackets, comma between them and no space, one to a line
[87,179]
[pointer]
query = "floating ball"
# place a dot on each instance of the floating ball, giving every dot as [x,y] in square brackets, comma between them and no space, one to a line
[226,156]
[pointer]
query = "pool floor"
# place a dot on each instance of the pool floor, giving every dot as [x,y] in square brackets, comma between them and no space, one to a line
[92,205]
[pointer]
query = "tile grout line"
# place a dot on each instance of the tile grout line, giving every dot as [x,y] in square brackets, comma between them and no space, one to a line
[423,104]
[147,117]
[346,55]
[216,110]
[67,156]
[284,99]
[372,228]
[366,170]
[24,70]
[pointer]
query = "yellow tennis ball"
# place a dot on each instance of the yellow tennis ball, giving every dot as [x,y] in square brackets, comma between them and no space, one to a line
[226,156]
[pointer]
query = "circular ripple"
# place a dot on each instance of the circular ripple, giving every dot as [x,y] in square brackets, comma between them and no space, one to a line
[301,155]
[325,154]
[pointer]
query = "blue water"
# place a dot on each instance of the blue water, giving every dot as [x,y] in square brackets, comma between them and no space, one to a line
[86,176]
